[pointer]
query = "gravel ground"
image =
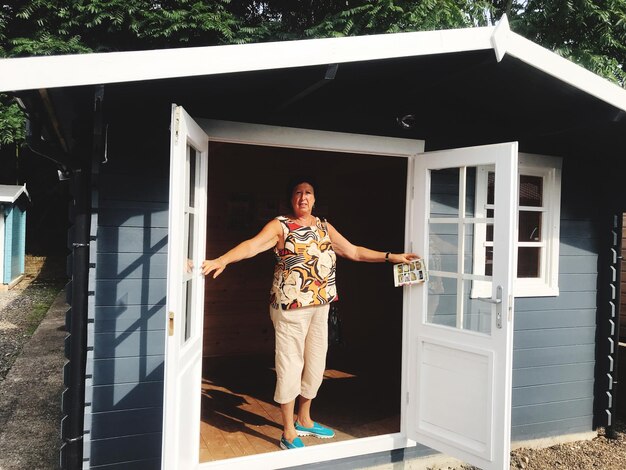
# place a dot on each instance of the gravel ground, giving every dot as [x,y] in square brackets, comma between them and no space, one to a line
[23,307]
[599,453]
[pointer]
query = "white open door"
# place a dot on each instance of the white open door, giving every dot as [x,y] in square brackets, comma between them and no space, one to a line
[185,292]
[460,351]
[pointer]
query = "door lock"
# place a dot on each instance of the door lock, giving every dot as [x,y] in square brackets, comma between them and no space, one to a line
[498,303]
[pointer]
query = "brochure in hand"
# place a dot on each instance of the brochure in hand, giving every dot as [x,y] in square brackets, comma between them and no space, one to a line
[409,273]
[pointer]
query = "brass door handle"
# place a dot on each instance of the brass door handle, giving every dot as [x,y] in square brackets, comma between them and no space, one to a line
[170,324]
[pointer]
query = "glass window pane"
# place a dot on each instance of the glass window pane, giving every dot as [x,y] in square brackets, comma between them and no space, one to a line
[470,191]
[530,226]
[441,301]
[530,191]
[192,176]
[444,193]
[471,231]
[528,259]
[476,313]
[190,233]
[189,285]
[491,187]
[489,261]
[443,247]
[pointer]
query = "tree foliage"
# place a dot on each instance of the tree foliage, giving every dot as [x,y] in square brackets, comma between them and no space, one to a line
[11,121]
[590,32]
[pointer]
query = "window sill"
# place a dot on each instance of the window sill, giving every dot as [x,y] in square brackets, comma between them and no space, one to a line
[535,290]
[520,290]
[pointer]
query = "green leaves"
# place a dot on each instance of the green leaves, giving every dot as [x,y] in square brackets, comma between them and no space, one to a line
[393,16]
[591,33]
[12,119]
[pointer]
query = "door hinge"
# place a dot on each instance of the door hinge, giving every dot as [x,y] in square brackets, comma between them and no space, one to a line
[170,324]
[412,192]
[407,398]
[176,124]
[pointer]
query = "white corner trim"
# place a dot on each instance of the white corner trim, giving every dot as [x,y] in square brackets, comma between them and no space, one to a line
[565,70]
[27,73]
[500,37]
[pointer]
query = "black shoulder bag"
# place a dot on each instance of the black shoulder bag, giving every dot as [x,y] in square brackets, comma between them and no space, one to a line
[334,322]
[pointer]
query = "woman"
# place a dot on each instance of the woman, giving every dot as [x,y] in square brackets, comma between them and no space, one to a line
[303,288]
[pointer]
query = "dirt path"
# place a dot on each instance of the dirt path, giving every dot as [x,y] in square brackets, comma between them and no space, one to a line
[23,307]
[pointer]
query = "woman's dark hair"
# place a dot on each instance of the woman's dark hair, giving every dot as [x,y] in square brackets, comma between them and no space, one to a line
[299,179]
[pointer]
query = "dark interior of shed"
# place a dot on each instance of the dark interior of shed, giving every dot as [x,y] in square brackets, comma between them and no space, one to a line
[364,198]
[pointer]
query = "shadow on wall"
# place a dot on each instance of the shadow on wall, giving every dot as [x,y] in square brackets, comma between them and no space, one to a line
[128,331]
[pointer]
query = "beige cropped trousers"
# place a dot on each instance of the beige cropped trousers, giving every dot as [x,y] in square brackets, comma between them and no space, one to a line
[301,346]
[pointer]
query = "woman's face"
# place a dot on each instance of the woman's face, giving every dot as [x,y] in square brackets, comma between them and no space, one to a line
[302,199]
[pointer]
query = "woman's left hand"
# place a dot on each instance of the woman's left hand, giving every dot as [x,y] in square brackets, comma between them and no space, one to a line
[396,258]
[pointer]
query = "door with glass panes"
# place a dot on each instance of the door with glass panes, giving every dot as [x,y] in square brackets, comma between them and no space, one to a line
[185,292]
[460,347]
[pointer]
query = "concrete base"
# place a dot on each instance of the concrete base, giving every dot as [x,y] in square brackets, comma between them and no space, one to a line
[444,462]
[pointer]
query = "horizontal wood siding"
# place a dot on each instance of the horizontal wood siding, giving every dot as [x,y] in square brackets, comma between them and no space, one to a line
[554,340]
[126,333]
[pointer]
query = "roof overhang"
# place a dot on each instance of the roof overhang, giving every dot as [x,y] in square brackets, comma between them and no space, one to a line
[119,67]
[11,193]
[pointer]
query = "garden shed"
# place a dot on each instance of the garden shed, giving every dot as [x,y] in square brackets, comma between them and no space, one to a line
[495,159]
[13,200]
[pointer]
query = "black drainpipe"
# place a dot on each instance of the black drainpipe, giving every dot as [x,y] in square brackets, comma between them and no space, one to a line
[74,395]
[81,185]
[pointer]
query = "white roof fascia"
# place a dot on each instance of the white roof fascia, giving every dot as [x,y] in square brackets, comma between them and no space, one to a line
[553,64]
[10,193]
[30,73]
[500,36]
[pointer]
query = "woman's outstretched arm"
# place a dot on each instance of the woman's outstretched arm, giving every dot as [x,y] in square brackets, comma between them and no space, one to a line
[264,240]
[345,249]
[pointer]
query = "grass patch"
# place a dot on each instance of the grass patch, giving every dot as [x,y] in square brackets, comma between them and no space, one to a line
[44,296]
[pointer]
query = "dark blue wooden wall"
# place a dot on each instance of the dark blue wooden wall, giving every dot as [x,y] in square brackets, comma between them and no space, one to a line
[554,341]
[126,330]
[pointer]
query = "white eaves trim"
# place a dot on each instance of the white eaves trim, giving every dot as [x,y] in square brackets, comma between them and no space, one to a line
[111,67]
[10,193]
[553,64]
[30,73]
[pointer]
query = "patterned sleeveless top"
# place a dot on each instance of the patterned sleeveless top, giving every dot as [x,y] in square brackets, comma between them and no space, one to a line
[305,268]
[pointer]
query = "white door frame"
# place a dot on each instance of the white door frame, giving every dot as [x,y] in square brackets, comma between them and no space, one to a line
[323,141]
[263,135]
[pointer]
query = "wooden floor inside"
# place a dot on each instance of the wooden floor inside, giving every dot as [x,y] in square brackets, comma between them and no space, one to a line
[240,417]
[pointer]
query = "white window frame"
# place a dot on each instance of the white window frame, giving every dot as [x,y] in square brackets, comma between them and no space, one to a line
[547,284]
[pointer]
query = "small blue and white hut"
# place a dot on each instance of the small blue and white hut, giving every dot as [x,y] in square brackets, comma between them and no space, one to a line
[12,234]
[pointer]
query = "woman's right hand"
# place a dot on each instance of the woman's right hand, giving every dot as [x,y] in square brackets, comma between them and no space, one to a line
[210,265]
